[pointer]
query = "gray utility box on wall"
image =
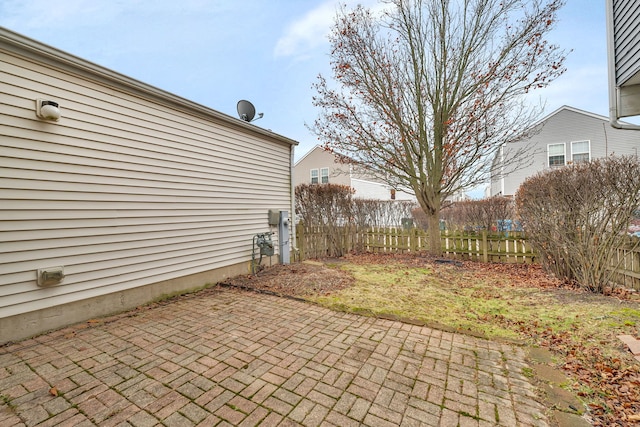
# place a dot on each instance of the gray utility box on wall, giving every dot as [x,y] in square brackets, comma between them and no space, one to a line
[274,217]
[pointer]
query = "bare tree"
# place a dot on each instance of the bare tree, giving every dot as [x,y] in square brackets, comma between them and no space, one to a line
[430,90]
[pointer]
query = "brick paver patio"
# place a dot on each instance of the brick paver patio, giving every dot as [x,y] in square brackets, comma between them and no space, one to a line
[227,357]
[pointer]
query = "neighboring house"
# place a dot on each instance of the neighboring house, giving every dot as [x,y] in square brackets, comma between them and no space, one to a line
[567,135]
[319,166]
[131,195]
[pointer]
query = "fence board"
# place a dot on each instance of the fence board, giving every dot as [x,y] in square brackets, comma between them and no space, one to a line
[626,264]
[512,247]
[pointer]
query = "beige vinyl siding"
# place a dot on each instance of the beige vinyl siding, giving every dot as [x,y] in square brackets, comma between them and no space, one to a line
[126,190]
[317,159]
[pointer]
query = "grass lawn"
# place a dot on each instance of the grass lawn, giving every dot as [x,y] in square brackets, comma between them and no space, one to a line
[495,303]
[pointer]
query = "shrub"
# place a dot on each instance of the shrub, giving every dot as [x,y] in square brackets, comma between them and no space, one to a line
[576,217]
[328,206]
[381,213]
[482,214]
[333,207]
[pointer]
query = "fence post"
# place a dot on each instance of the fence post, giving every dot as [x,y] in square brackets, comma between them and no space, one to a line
[300,240]
[485,248]
[413,240]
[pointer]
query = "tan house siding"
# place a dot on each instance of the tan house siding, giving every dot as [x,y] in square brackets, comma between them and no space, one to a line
[131,187]
[317,158]
[364,184]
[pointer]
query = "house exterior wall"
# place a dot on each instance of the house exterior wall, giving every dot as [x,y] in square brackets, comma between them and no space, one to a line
[136,192]
[365,189]
[363,183]
[626,41]
[565,126]
[317,159]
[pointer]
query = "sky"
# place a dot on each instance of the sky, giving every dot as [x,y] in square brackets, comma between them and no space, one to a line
[270,52]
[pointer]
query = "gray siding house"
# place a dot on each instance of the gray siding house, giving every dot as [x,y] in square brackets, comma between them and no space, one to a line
[567,135]
[130,194]
[623,34]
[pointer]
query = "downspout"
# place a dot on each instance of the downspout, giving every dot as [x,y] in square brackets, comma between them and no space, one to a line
[613,89]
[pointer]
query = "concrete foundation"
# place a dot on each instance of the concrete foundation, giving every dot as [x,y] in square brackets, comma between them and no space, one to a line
[26,325]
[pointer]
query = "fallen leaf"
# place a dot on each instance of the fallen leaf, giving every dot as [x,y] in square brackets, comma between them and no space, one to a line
[53,391]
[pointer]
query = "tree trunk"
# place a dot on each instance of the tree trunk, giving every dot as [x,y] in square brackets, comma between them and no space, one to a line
[435,245]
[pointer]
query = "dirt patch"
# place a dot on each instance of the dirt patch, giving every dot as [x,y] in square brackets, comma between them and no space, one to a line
[297,280]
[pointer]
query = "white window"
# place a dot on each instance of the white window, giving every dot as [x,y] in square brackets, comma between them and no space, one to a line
[580,151]
[314,176]
[324,175]
[556,154]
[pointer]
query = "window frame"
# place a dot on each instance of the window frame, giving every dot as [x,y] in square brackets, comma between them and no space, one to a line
[323,175]
[564,155]
[316,177]
[588,152]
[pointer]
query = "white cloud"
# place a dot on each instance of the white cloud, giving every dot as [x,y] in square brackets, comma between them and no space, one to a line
[30,14]
[311,30]
[308,32]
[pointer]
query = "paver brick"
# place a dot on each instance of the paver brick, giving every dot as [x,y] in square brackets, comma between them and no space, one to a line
[277,405]
[166,405]
[229,358]
[194,412]
[231,415]
[255,417]
[359,409]
[64,418]
[321,398]
[177,420]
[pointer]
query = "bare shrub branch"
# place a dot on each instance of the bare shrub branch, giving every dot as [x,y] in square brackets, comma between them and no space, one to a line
[578,216]
[481,214]
[333,207]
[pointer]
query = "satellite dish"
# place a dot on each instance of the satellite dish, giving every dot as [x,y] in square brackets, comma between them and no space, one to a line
[247,111]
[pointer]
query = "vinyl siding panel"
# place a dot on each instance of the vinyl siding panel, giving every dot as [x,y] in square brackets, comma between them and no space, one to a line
[626,39]
[565,126]
[126,190]
[317,158]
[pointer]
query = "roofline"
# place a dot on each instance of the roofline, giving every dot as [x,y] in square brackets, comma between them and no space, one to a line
[573,109]
[22,44]
[309,152]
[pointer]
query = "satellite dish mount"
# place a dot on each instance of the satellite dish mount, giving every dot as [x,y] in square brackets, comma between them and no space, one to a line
[247,112]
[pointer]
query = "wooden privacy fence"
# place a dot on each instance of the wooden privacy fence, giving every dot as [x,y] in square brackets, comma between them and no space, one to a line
[319,242]
[627,265]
